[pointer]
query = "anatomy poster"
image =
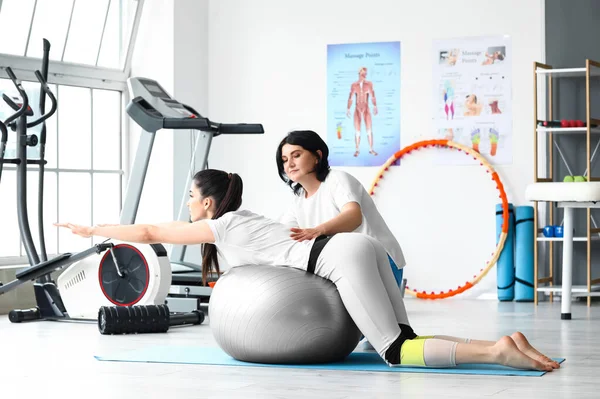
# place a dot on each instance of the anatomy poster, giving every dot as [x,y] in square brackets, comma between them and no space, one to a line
[363,103]
[472,97]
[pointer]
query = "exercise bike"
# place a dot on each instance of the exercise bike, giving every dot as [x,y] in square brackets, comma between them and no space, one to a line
[120,285]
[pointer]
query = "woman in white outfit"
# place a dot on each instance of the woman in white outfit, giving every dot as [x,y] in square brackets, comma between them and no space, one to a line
[356,263]
[329,201]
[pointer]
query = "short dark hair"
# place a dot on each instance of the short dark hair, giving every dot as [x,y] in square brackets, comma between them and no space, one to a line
[310,141]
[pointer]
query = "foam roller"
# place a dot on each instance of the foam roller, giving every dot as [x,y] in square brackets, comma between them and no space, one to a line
[142,319]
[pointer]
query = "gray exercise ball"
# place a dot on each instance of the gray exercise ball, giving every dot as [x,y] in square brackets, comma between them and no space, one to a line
[280,315]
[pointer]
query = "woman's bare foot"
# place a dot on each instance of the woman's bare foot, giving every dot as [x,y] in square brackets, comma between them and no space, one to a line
[525,347]
[356,153]
[508,354]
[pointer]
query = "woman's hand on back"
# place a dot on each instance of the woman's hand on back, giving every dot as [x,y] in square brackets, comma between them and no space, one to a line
[305,234]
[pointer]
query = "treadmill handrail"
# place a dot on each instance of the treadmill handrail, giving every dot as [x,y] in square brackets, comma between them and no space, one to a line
[186,123]
[239,128]
[151,119]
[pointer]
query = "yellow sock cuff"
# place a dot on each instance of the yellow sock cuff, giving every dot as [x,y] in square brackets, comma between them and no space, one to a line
[412,352]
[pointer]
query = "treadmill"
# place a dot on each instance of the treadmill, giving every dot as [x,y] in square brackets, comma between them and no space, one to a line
[154,109]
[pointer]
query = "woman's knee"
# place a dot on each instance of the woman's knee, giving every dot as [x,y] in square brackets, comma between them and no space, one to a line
[377,245]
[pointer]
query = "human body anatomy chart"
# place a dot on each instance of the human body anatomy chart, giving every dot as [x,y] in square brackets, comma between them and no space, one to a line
[363,103]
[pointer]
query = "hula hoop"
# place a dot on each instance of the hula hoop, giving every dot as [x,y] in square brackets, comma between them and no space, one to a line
[489,169]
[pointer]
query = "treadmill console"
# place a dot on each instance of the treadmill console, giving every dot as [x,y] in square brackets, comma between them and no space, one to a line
[154,88]
[158,97]
[154,109]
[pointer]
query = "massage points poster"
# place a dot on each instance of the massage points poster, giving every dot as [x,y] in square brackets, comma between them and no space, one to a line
[363,103]
[472,97]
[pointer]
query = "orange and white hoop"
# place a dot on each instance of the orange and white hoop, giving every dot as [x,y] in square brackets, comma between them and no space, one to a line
[502,194]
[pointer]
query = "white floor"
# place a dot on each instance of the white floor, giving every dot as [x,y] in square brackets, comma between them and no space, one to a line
[56,360]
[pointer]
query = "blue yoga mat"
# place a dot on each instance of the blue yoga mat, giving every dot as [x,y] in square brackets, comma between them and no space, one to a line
[505,267]
[524,248]
[357,361]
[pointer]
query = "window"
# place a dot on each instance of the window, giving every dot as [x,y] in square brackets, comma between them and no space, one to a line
[88,32]
[91,46]
[51,22]
[83,176]
[15,17]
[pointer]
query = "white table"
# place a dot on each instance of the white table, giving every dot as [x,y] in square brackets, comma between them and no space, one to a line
[567,196]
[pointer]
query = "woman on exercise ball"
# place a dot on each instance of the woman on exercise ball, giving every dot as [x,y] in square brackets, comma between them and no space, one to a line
[356,263]
[329,201]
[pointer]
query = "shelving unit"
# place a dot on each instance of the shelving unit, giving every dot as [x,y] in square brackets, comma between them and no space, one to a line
[594,238]
[592,69]
[576,290]
[568,130]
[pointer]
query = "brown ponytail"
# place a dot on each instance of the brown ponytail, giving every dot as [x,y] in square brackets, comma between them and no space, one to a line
[226,190]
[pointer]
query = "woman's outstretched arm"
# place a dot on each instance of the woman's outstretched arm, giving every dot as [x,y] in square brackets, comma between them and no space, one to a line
[164,233]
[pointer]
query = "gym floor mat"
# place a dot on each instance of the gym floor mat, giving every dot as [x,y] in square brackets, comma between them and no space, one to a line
[357,361]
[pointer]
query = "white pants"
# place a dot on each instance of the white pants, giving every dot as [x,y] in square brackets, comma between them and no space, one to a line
[359,267]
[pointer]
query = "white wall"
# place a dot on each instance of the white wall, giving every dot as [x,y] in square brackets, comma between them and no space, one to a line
[267,64]
[153,58]
[191,88]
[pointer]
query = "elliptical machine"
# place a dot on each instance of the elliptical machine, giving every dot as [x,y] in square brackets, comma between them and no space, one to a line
[120,285]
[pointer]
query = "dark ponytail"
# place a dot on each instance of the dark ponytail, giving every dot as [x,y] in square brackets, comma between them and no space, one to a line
[226,190]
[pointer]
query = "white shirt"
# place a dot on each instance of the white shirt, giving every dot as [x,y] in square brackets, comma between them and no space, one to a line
[338,189]
[245,238]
